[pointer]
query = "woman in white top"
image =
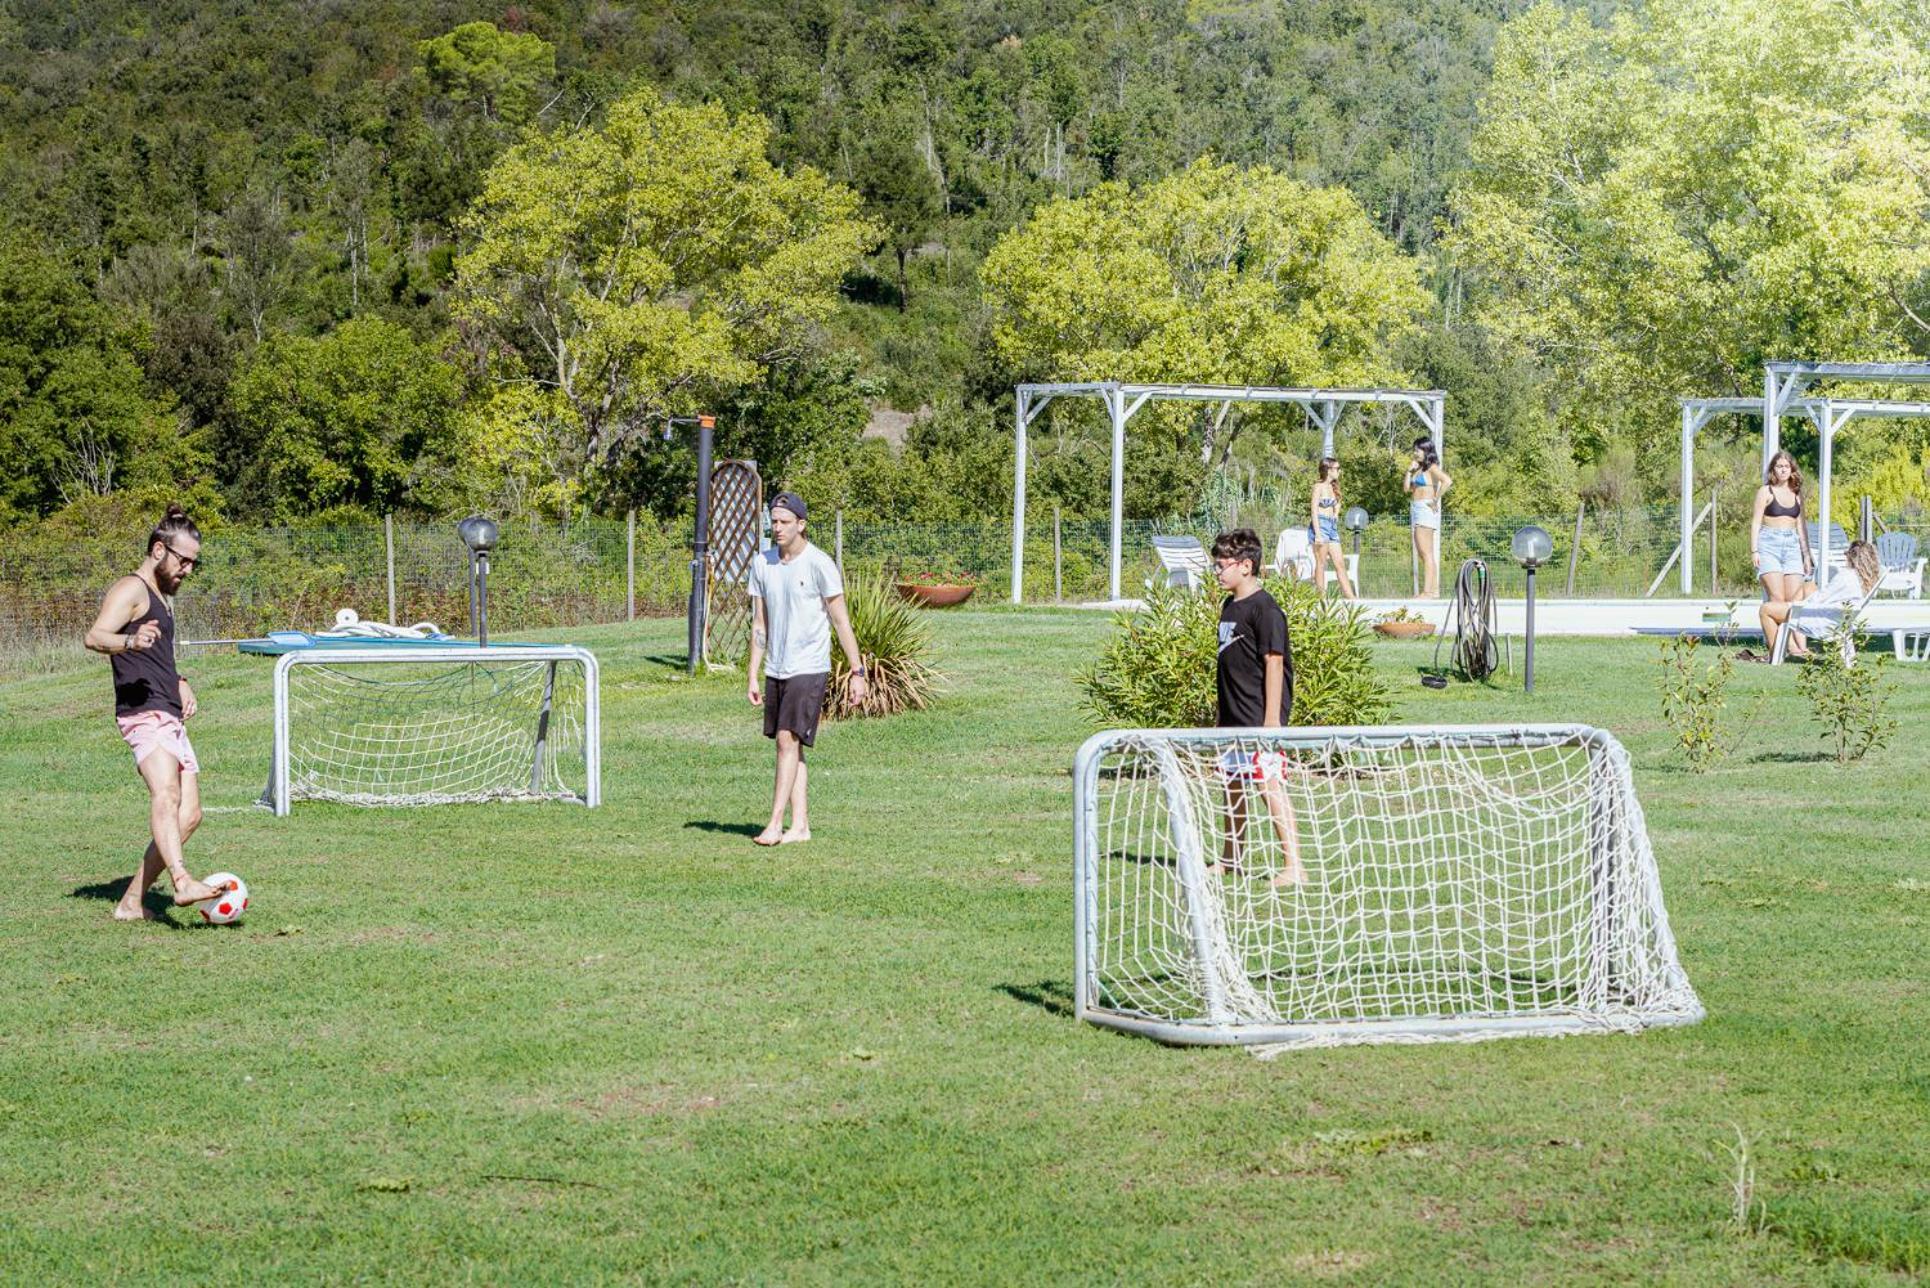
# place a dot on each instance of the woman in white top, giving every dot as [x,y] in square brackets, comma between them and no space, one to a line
[1324,528]
[1821,611]
[1424,482]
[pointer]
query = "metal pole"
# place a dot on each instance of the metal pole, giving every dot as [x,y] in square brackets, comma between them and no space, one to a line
[388,550]
[472,592]
[840,539]
[1058,561]
[630,566]
[1116,404]
[1688,495]
[700,543]
[1772,426]
[1865,519]
[1822,519]
[1575,548]
[482,598]
[1018,496]
[1529,665]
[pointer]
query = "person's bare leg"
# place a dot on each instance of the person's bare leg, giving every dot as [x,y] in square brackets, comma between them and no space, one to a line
[1287,827]
[133,905]
[1340,571]
[800,828]
[1319,572]
[1767,619]
[1430,583]
[787,768]
[1235,829]
[162,773]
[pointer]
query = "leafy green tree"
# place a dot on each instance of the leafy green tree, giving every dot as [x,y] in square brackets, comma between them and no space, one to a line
[1658,204]
[362,416]
[76,418]
[653,261]
[502,74]
[1214,275]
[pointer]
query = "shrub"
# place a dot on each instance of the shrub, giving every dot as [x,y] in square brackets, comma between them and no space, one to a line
[1158,671]
[895,641]
[1851,702]
[1695,702]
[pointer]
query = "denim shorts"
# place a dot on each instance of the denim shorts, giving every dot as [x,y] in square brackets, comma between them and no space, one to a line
[1329,531]
[1781,550]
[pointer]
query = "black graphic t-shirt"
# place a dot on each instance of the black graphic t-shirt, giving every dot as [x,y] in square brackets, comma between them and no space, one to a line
[1250,629]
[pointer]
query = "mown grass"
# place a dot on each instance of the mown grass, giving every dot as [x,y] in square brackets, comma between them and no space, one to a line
[521,1043]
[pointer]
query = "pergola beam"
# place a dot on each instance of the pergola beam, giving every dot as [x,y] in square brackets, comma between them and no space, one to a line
[1122,399]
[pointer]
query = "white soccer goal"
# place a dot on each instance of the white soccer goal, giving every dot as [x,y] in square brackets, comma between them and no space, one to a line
[1461,883]
[396,725]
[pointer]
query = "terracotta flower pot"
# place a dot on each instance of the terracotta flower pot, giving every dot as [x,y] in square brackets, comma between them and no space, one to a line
[935,594]
[1404,630]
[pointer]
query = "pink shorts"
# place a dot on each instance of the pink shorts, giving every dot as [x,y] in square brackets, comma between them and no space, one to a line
[151,731]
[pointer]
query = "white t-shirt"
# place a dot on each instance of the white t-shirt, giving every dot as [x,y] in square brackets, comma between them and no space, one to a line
[794,595]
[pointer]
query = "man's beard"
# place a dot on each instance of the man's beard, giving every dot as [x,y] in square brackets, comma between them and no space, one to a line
[168,583]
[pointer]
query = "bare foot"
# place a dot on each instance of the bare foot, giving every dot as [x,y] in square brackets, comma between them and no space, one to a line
[795,835]
[139,912]
[189,891]
[769,836]
[1222,869]
[1291,877]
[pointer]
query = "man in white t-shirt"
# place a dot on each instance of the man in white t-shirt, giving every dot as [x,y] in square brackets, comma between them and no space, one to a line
[797,600]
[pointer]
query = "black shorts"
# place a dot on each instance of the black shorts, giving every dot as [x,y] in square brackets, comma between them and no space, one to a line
[794,704]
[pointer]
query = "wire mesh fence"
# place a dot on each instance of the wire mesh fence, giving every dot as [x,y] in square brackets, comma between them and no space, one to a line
[253,580]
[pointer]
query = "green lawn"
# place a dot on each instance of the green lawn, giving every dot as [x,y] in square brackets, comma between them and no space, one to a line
[523,1043]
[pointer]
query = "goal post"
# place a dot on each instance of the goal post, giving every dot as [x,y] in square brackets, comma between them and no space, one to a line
[388,725]
[1459,883]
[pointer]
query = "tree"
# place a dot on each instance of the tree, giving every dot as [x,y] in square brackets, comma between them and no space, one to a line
[500,73]
[360,416]
[1660,204]
[1215,275]
[654,261]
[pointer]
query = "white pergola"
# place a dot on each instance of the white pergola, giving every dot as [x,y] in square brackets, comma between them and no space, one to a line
[1785,386]
[1322,407]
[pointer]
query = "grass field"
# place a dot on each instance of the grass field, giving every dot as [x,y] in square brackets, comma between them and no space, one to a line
[538,1043]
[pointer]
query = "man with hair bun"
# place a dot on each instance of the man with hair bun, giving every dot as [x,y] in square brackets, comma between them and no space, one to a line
[135,629]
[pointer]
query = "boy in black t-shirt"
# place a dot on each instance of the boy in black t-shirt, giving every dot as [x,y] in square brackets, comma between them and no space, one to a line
[1255,692]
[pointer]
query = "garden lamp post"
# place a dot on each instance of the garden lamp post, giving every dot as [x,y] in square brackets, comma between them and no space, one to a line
[479,533]
[1356,521]
[1532,548]
[700,540]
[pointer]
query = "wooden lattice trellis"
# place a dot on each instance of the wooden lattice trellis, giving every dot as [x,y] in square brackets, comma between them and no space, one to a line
[736,522]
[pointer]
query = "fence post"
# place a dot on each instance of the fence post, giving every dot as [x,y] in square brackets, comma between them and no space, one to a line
[630,566]
[1715,588]
[388,551]
[1575,548]
[1058,563]
[839,530]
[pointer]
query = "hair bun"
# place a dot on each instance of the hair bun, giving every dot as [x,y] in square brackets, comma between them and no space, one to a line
[175,511]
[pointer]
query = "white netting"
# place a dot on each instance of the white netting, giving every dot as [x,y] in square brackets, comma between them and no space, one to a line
[1458,884]
[433,732]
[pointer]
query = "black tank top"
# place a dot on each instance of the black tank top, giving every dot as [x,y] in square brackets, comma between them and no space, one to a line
[145,679]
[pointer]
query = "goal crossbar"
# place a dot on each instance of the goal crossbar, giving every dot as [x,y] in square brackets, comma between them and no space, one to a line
[1461,883]
[381,746]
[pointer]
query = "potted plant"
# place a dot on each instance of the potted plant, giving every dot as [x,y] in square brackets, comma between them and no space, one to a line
[936,583]
[1403,624]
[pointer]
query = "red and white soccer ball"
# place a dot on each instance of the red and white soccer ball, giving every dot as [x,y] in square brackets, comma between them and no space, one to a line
[227,906]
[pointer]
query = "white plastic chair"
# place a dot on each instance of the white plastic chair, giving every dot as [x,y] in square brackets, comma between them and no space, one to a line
[1293,553]
[1835,614]
[1902,565]
[1184,560]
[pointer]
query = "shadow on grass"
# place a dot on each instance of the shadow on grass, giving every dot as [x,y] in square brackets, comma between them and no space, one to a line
[158,905]
[728,829]
[1791,757]
[1053,996]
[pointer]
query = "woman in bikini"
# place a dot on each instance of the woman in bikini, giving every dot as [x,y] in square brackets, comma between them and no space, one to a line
[1424,482]
[1778,543]
[1325,529]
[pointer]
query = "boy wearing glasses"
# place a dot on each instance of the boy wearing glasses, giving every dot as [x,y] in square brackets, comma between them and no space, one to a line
[135,629]
[1255,692]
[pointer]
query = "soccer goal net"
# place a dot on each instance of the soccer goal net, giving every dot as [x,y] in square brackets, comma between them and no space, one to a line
[1325,886]
[403,724]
